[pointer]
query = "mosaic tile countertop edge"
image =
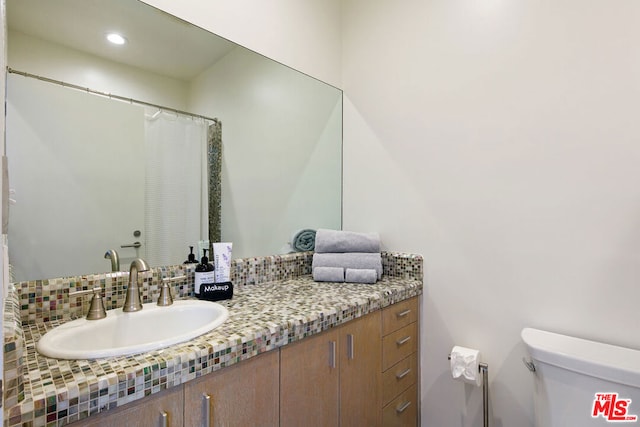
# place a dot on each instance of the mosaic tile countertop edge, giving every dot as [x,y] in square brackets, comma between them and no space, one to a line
[263,317]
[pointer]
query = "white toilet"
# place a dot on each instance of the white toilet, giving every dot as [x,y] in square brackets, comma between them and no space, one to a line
[583,383]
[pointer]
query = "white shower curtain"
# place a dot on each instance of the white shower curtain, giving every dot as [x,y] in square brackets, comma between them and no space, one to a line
[176,208]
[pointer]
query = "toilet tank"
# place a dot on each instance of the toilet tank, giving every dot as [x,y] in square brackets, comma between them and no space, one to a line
[583,383]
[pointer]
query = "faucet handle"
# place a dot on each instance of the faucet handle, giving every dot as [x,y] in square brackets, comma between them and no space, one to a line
[165,298]
[96,306]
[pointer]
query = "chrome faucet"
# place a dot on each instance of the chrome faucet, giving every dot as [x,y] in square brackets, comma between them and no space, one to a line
[132,300]
[115,259]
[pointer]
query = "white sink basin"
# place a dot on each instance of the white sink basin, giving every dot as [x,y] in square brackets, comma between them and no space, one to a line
[122,333]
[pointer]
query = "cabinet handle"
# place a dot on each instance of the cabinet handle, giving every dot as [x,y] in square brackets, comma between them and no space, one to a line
[332,354]
[207,409]
[164,419]
[401,408]
[350,347]
[403,340]
[403,313]
[403,374]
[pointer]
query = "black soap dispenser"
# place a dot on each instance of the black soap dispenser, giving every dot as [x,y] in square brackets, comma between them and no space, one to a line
[191,259]
[204,273]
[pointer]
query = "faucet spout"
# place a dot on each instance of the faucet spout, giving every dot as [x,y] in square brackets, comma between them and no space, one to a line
[132,300]
[115,259]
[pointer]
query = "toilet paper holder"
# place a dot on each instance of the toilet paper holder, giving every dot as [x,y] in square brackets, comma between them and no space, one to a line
[483,368]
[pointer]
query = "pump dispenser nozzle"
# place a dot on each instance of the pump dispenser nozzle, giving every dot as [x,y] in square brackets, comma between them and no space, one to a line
[191,259]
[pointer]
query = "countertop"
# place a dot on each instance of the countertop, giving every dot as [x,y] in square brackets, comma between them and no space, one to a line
[262,317]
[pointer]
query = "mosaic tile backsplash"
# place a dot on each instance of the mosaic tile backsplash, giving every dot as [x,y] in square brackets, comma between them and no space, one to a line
[275,302]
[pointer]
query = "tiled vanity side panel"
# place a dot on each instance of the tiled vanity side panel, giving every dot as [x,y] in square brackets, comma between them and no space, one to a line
[402,265]
[13,352]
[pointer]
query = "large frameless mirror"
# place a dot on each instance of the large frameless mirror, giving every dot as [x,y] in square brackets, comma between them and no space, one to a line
[117,170]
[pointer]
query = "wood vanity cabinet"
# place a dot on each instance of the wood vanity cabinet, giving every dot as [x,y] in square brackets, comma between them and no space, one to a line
[241,395]
[360,379]
[161,409]
[333,378]
[309,381]
[400,363]
[361,373]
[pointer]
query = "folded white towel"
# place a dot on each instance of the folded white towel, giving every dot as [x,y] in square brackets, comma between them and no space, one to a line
[337,241]
[328,274]
[360,275]
[349,260]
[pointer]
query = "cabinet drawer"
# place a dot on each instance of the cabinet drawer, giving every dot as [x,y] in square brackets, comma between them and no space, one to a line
[398,345]
[402,411]
[399,315]
[399,377]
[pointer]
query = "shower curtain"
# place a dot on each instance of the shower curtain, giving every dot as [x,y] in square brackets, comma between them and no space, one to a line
[176,202]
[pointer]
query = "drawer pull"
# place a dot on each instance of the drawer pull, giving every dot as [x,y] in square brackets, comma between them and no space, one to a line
[403,313]
[403,374]
[402,407]
[403,340]
[350,347]
[332,354]
[207,409]
[164,419]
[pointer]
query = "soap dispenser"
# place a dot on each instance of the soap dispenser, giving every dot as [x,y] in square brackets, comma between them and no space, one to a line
[204,273]
[191,259]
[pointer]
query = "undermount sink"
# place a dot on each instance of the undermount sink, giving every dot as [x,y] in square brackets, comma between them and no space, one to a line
[122,333]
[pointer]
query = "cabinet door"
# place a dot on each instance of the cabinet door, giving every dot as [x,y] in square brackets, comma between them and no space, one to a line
[361,372]
[245,394]
[162,409]
[309,382]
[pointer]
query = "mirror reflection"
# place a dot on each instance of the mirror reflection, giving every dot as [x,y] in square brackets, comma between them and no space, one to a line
[281,140]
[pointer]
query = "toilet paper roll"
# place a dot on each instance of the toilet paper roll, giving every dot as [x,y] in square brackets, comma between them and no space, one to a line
[465,365]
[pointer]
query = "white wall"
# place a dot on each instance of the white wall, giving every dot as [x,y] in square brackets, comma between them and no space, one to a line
[304,35]
[500,140]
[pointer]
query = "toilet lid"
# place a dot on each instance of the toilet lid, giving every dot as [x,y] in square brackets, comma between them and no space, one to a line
[605,361]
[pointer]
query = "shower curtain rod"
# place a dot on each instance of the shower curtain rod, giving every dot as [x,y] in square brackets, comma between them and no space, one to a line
[105,94]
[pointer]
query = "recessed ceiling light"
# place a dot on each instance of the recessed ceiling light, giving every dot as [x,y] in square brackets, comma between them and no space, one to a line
[116,38]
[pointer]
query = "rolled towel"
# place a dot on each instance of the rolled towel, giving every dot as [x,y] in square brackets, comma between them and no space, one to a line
[360,275]
[349,260]
[328,274]
[303,240]
[336,241]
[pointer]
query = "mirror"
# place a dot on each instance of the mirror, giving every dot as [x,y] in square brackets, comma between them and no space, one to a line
[281,155]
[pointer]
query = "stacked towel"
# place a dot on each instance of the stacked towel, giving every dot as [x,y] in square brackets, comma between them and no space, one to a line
[328,274]
[346,241]
[353,260]
[346,256]
[359,275]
